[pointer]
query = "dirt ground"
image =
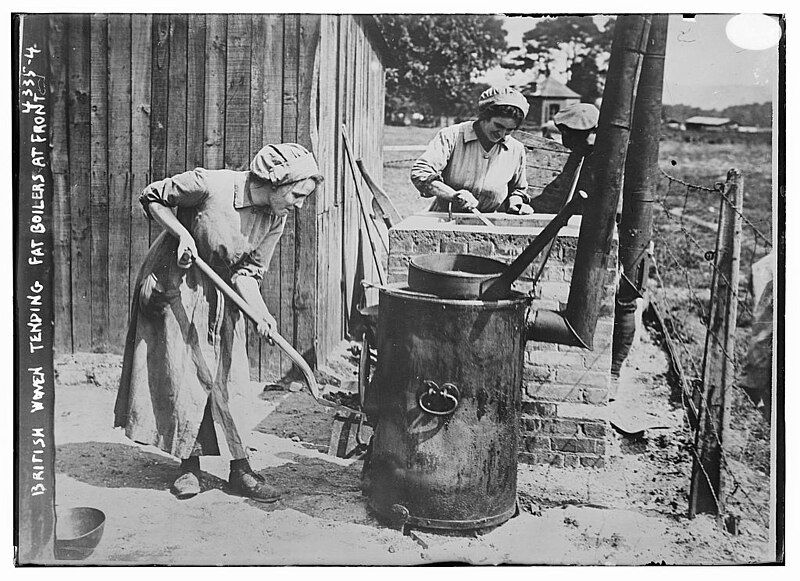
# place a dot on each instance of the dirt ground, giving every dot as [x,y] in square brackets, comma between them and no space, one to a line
[632,512]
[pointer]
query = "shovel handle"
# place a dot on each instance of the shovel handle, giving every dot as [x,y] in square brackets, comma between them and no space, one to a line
[282,343]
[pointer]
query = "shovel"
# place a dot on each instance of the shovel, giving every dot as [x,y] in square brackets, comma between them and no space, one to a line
[276,338]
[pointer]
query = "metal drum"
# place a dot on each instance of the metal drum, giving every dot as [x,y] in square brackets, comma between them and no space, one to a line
[447,397]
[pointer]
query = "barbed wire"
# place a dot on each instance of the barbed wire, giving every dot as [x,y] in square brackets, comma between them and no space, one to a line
[688,185]
[719,189]
[725,460]
[714,430]
[697,244]
[704,320]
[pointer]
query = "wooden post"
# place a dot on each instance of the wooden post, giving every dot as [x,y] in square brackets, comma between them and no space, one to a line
[708,485]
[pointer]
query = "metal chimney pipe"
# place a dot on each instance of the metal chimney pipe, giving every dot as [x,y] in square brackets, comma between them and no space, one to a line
[602,179]
[641,165]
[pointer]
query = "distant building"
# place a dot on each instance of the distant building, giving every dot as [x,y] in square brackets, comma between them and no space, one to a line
[753,129]
[699,123]
[675,125]
[547,99]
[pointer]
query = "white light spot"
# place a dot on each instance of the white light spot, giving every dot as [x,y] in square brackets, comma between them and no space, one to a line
[753,31]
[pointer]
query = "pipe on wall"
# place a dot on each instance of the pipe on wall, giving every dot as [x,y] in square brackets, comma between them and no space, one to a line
[602,180]
[641,165]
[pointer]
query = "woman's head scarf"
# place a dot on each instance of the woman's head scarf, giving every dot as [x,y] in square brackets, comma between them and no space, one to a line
[284,163]
[504,96]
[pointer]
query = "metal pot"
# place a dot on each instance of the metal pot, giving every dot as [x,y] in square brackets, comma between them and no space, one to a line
[453,276]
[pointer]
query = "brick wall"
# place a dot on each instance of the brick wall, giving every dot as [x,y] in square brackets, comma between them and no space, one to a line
[565,389]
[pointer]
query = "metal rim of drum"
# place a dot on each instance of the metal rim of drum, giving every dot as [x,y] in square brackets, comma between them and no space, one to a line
[458,276]
[459,525]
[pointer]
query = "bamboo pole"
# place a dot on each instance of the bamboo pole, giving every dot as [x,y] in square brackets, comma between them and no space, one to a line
[602,179]
[641,165]
[708,485]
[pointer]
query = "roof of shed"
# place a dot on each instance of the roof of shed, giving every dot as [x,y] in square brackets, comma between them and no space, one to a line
[700,120]
[553,88]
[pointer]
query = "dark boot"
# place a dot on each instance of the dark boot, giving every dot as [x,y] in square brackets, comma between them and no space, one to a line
[244,482]
[187,484]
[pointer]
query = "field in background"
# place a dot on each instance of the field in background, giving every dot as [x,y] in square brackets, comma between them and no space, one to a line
[397,165]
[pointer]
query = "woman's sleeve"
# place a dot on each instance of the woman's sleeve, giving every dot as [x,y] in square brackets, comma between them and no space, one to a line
[183,190]
[519,181]
[255,263]
[430,164]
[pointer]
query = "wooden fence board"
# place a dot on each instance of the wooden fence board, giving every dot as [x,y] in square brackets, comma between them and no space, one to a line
[119,168]
[238,127]
[272,126]
[159,107]
[305,278]
[99,179]
[216,39]
[237,98]
[289,134]
[330,245]
[59,163]
[80,138]
[258,72]
[258,33]
[195,90]
[176,99]
[141,74]
[350,234]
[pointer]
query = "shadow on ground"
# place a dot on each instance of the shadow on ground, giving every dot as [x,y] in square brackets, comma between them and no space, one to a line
[320,489]
[312,486]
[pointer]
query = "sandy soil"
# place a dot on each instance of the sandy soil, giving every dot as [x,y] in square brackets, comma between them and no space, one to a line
[631,512]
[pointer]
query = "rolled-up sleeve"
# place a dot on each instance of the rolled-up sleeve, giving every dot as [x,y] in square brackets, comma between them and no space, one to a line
[518,186]
[186,189]
[430,164]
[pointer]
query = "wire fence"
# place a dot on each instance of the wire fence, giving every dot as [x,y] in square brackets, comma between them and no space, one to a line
[683,267]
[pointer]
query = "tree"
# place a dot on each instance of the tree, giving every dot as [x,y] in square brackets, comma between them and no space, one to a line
[573,45]
[437,57]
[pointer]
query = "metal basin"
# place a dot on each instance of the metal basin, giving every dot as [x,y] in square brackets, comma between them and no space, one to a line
[78,531]
[452,276]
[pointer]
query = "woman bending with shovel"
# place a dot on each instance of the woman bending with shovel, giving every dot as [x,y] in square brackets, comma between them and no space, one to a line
[185,338]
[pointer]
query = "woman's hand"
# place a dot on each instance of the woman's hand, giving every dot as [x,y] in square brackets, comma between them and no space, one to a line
[267,326]
[517,206]
[187,250]
[465,200]
[248,288]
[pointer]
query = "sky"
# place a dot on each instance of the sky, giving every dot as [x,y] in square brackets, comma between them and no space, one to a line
[703,68]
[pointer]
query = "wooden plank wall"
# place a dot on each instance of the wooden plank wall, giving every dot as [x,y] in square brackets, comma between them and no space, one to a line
[139,97]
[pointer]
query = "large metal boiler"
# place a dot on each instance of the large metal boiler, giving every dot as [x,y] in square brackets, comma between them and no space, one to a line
[447,394]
